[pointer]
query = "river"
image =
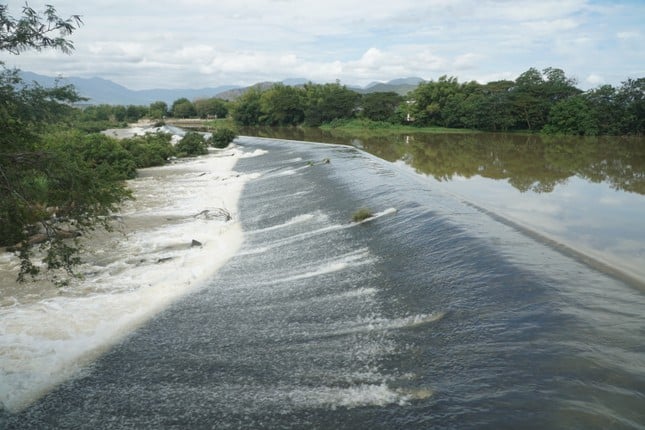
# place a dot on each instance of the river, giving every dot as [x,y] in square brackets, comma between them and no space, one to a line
[462,303]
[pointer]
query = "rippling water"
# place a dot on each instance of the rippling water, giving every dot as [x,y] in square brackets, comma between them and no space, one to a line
[432,314]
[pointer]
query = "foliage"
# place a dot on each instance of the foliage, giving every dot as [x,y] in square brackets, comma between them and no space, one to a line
[151,149]
[183,108]
[430,99]
[34,30]
[380,106]
[213,107]
[362,214]
[192,144]
[103,154]
[222,137]
[158,110]
[572,116]
[50,182]
[247,109]
[327,102]
[282,105]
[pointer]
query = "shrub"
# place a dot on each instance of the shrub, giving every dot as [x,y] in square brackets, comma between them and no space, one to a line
[149,150]
[362,214]
[222,137]
[192,144]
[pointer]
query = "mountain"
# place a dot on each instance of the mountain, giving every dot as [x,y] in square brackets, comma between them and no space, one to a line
[400,86]
[103,91]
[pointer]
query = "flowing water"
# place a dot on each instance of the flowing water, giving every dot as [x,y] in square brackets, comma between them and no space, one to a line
[437,312]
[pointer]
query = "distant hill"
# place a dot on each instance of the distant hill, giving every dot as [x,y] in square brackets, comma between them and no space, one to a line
[103,91]
[400,86]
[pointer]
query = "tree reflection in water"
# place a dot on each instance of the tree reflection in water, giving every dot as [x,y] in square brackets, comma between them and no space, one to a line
[528,162]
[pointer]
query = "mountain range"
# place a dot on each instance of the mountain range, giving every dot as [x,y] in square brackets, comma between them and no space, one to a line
[103,91]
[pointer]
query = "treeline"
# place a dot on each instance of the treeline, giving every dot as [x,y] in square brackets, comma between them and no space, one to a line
[537,101]
[100,117]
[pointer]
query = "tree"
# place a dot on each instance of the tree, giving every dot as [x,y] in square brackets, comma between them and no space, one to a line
[46,187]
[632,96]
[431,98]
[325,103]
[222,137]
[36,31]
[282,105]
[183,108]
[572,115]
[158,110]
[192,144]
[536,92]
[246,110]
[212,107]
[380,106]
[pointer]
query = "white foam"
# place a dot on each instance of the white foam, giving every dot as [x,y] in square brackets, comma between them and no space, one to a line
[364,325]
[295,220]
[350,397]
[337,264]
[45,341]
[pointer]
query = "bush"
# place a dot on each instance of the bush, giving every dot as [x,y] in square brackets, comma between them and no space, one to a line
[149,150]
[192,144]
[101,153]
[222,137]
[362,214]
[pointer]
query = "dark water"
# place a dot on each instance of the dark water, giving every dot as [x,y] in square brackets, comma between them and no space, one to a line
[433,314]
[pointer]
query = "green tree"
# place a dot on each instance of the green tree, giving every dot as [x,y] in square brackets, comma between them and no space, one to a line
[489,108]
[282,105]
[222,137]
[573,115]
[325,103]
[603,102]
[151,149]
[158,110]
[246,110]
[380,106]
[36,31]
[536,92]
[192,144]
[45,187]
[632,97]
[212,107]
[430,99]
[134,113]
[183,108]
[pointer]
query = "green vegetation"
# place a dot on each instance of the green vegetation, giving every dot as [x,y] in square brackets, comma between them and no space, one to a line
[222,137]
[362,214]
[59,178]
[537,101]
[150,149]
[361,127]
[192,144]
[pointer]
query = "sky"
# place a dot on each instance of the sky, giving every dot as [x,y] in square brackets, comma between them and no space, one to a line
[143,44]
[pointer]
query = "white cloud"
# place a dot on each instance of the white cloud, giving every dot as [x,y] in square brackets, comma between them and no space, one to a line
[175,43]
[594,80]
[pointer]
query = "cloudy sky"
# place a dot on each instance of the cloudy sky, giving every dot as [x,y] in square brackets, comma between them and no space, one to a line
[197,43]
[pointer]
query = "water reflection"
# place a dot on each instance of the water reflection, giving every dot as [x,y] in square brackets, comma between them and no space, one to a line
[586,194]
[528,163]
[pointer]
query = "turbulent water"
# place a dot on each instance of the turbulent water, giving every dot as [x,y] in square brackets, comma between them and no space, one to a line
[431,314]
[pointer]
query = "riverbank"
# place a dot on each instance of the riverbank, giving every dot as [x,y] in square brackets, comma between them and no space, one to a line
[180,228]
